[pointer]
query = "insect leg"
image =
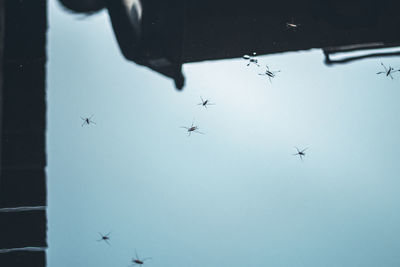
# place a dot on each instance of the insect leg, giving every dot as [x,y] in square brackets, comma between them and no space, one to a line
[384,67]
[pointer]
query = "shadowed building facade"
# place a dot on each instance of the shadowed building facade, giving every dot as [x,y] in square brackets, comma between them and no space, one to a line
[23,222]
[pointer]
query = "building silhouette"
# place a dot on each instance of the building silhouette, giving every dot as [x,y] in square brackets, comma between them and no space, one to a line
[23,222]
[163,35]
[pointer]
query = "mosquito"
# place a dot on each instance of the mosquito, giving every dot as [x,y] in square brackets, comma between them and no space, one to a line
[252,59]
[138,261]
[387,71]
[205,103]
[292,25]
[87,121]
[269,73]
[105,238]
[300,153]
[191,129]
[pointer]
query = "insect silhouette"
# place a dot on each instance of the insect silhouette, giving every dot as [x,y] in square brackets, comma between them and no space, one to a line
[138,261]
[269,73]
[252,59]
[388,71]
[192,129]
[105,238]
[300,153]
[205,103]
[87,121]
[292,25]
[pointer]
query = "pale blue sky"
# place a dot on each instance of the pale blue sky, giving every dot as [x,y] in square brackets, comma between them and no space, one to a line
[235,196]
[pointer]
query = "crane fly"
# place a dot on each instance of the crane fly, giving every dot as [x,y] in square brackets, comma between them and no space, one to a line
[252,59]
[192,129]
[388,71]
[269,73]
[87,120]
[138,261]
[292,25]
[105,238]
[300,153]
[205,103]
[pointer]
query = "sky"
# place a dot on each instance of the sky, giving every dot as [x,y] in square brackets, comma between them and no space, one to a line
[235,196]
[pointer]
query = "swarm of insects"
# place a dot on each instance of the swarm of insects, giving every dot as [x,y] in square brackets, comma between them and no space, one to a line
[138,261]
[251,59]
[87,121]
[388,71]
[205,102]
[300,153]
[192,129]
[269,73]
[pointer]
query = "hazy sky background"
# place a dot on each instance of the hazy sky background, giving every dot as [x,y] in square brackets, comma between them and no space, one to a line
[235,196]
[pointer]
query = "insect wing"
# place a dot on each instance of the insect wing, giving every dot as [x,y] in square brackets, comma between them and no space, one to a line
[304,150]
